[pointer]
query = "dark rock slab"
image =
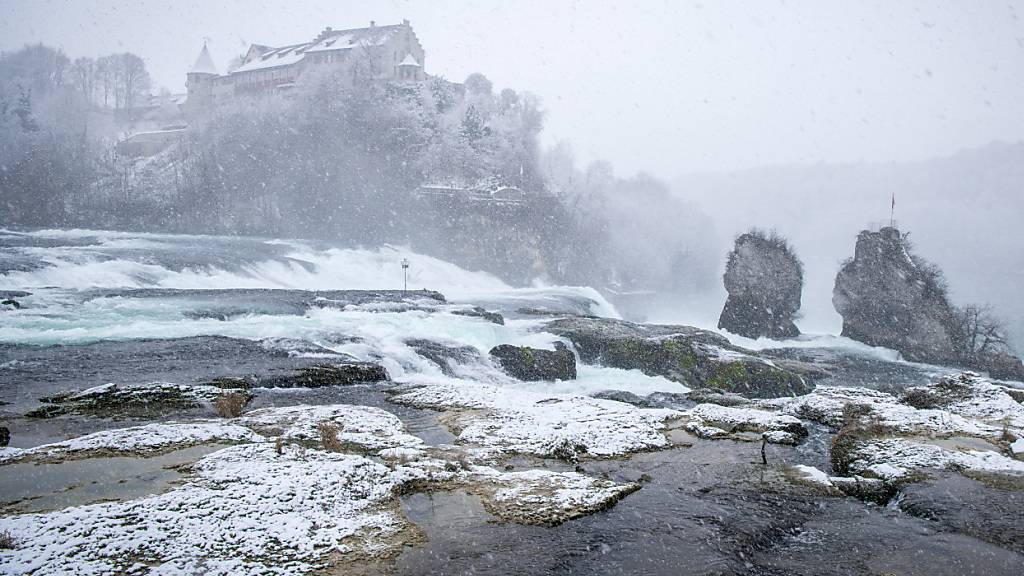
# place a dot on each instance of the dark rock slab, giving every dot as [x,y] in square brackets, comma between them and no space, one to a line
[689,355]
[479,312]
[1004,366]
[31,371]
[625,397]
[153,399]
[444,355]
[853,368]
[323,374]
[532,364]
[960,504]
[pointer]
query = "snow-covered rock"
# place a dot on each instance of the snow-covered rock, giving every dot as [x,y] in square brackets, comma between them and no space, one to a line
[549,498]
[363,426]
[811,476]
[137,440]
[714,421]
[247,510]
[109,399]
[283,507]
[970,396]
[894,458]
[825,403]
[1017,447]
[519,421]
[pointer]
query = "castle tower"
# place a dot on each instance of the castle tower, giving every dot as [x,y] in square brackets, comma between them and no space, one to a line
[410,69]
[200,79]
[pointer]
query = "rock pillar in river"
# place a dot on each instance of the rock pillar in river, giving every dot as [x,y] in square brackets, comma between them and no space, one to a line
[889,297]
[764,280]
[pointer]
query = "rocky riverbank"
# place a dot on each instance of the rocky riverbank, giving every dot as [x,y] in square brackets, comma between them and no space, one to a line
[179,427]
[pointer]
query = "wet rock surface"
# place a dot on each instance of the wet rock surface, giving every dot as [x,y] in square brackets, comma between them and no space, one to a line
[533,364]
[694,357]
[851,368]
[955,503]
[445,355]
[479,312]
[711,507]
[764,279]
[32,371]
[112,400]
[708,509]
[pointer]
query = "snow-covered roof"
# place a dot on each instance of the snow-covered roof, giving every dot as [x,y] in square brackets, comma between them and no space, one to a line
[329,40]
[285,56]
[409,60]
[204,64]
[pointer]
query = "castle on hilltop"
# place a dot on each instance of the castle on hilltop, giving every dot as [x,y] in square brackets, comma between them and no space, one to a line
[377,52]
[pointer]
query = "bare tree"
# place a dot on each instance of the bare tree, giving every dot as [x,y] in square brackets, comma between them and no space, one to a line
[135,81]
[980,333]
[106,79]
[83,78]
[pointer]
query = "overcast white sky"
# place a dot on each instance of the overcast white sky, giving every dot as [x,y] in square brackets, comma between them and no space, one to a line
[665,87]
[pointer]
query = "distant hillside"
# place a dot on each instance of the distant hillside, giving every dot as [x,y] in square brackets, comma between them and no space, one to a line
[964,212]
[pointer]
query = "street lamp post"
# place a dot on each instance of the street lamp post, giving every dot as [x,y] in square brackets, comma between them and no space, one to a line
[405,275]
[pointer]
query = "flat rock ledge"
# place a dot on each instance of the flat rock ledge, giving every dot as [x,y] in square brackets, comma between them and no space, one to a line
[151,398]
[305,489]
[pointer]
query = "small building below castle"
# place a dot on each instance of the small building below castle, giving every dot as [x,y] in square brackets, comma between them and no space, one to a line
[389,52]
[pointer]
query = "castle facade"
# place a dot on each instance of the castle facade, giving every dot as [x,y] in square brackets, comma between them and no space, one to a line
[389,52]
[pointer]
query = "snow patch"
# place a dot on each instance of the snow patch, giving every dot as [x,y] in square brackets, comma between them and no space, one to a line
[508,420]
[895,458]
[811,475]
[364,426]
[137,440]
[711,419]
[248,510]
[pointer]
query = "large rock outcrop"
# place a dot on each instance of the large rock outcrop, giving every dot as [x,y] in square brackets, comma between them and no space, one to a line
[887,297]
[694,357]
[764,279]
[533,364]
[1004,366]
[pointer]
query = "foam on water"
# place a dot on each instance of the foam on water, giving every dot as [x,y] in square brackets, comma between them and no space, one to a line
[830,341]
[124,260]
[65,264]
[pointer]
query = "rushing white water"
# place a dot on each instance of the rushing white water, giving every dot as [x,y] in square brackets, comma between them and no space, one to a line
[81,291]
[88,259]
[84,288]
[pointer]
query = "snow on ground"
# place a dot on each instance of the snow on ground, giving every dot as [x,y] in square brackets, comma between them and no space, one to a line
[113,393]
[895,458]
[1017,447]
[509,420]
[972,396]
[289,508]
[825,403]
[136,440]
[909,420]
[364,426]
[247,510]
[811,475]
[969,417]
[714,421]
[547,498]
